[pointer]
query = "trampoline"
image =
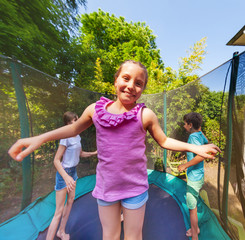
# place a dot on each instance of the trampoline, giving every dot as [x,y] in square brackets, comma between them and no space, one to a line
[166,214]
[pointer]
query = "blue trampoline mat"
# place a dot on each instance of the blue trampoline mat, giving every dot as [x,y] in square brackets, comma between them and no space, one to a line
[163,218]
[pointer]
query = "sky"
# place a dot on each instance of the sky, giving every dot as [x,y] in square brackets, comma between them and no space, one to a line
[179,24]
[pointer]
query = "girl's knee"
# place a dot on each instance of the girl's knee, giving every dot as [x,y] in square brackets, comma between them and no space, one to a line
[133,232]
[111,232]
[111,235]
[136,236]
[70,199]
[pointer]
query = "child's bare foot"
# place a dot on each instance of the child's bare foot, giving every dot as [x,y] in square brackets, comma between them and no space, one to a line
[121,217]
[63,235]
[189,234]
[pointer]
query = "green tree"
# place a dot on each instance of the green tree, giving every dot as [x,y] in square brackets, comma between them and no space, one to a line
[214,134]
[113,40]
[98,84]
[168,79]
[38,33]
[192,62]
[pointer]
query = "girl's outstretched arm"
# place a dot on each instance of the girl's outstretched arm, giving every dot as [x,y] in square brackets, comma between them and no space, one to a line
[150,123]
[71,130]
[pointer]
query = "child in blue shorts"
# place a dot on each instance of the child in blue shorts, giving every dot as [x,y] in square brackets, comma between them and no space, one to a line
[195,170]
[66,159]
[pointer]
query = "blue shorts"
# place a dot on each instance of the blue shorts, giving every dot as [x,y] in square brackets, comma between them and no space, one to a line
[60,182]
[129,203]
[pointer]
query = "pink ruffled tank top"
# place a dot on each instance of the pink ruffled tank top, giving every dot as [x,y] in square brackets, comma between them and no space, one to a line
[122,170]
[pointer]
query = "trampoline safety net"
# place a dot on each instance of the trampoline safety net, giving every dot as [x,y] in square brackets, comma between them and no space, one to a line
[33,102]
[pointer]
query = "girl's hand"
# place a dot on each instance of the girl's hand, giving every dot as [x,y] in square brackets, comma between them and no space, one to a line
[208,151]
[181,167]
[87,154]
[30,144]
[70,183]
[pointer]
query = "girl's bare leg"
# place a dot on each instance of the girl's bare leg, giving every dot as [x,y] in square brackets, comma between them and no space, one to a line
[60,201]
[110,218]
[133,223]
[70,199]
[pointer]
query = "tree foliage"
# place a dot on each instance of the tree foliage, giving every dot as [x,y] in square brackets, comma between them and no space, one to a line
[112,40]
[167,79]
[192,62]
[38,33]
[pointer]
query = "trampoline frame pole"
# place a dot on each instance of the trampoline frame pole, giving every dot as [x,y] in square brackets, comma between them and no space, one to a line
[24,130]
[165,127]
[232,90]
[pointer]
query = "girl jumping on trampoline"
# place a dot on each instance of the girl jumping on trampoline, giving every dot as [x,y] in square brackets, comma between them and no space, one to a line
[121,174]
[195,170]
[69,151]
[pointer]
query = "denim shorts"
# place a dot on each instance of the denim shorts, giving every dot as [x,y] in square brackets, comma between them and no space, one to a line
[192,192]
[60,182]
[129,203]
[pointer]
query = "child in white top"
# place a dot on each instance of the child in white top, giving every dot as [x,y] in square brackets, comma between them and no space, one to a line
[69,151]
[130,81]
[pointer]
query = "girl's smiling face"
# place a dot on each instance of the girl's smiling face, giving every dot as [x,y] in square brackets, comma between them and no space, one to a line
[130,83]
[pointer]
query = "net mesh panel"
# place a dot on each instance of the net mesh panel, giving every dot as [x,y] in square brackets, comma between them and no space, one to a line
[205,96]
[237,177]
[238,159]
[48,98]
[10,171]
[153,152]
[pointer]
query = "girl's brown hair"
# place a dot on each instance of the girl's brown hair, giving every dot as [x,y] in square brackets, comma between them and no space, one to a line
[134,62]
[69,116]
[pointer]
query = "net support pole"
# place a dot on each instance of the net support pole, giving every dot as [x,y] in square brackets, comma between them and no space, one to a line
[232,89]
[165,127]
[24,130]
